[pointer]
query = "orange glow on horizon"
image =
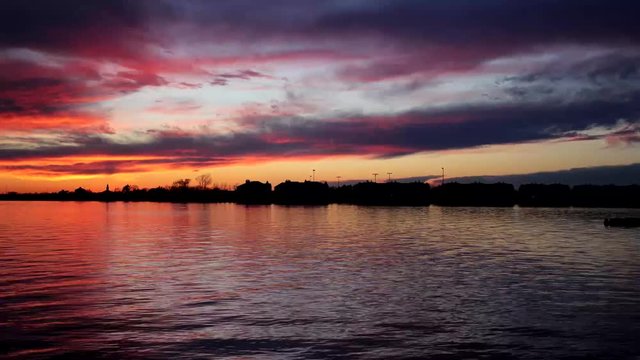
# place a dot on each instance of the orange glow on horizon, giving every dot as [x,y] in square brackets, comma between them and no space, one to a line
[490,160]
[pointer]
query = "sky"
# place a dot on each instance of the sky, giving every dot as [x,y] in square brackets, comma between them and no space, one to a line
[147,92]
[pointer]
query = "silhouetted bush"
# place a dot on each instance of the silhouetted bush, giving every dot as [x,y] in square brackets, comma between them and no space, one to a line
[476,194]
[605,196]
[391,193]
[301,193]
[554,195]
[367,193]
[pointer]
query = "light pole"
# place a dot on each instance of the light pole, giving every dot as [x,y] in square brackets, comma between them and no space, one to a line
[375,177]
[442,177]
[314,175]
[389,176]
[338,177]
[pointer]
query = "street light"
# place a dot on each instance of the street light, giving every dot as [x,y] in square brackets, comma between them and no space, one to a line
[338,177]
[389,176]
[314,174]
[375,177]
[442,177]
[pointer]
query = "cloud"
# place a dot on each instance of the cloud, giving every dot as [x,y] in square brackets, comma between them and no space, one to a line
[460,127]
[130,81]
[60,61]
[107,29]
[107,167]
[597,175]
[62,95]
[614,67]
[34,89]
[604,95]
[628,135]
[464,22]
[421,63]
[177,107]
[223,79]
[381,135]
[139,32]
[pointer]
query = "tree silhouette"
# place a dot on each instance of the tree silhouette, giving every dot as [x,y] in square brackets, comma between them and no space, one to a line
[204,181]
[181,184]
[129,188]
[366,193]
[81,191]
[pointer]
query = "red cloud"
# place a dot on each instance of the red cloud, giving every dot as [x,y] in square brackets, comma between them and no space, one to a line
[36,95]
[424,62]
[102,166]
[79,123]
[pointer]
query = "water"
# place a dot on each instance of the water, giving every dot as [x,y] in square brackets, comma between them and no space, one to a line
[157,281]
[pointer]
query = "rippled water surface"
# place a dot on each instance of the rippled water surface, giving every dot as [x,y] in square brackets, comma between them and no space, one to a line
[156,281]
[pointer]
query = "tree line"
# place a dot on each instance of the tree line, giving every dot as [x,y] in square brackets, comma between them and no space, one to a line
[364,193]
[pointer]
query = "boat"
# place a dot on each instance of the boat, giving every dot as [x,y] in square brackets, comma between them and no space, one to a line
[622,222]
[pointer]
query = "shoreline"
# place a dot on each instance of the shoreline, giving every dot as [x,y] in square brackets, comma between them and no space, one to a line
[319,205]
[366,194]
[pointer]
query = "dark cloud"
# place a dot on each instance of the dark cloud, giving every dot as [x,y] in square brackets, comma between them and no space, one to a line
[598,175]
[130,81]
[419,37]
[110,166]
[31,89]
[33,94]
[223,79]
[55,51]
[603,70]
[109,28]
[120,24]
[611,78]
[175,145]
[427,36]
[384,136]
[8,105]
[420,62]
[462,127]
[490,21]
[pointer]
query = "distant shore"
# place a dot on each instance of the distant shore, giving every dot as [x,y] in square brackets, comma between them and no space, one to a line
[366,193]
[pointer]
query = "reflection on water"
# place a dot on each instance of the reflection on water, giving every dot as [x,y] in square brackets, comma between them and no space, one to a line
[155,281]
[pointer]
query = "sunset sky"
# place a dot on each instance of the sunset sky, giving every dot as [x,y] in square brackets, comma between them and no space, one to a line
[146,92]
